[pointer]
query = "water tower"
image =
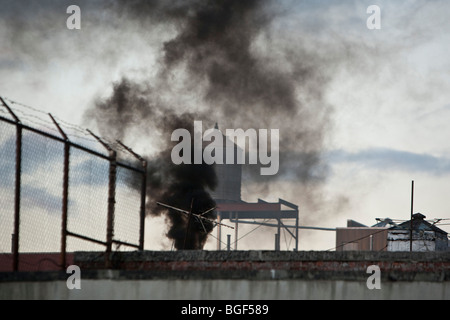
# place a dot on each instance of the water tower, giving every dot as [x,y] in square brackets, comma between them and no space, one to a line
[229,176]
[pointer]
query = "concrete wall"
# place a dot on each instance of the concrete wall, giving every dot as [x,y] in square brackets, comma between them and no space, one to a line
[239,275]
[175,289]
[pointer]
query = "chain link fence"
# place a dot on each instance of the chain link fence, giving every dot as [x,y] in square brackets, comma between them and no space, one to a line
[64,189]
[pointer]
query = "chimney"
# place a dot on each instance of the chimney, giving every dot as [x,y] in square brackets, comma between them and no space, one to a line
[418,216]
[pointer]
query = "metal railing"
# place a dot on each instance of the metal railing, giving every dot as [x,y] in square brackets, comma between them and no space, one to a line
[66,191]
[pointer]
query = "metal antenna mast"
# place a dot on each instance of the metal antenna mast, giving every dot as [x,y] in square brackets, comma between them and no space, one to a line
[199,217]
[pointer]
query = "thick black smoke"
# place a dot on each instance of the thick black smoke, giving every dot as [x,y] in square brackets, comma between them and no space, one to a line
[217,44]
[177,185]
[183,186]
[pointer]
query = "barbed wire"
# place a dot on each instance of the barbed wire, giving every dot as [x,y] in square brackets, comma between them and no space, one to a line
[23,105]
[42,174]
[43,121]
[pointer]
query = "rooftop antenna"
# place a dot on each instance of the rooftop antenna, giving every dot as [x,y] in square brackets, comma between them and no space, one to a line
[188,225]
[199,217]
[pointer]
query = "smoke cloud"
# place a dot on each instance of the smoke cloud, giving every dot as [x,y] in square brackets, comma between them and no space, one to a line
[216,49]
[183,186]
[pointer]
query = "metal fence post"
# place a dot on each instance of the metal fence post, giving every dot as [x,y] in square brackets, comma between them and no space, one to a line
[17,197]
[142,212]
[114,163]
[111,204]
[65,197]
[16,236]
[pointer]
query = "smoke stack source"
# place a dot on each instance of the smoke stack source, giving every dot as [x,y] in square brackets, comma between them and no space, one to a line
[183,186]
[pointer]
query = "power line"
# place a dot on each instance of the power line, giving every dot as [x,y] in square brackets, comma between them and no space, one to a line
[379,231]
[259,226]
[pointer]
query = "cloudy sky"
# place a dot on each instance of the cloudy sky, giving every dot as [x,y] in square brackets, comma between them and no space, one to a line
[380,97]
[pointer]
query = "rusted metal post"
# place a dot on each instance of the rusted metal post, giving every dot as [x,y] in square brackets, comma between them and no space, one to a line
[142,209]
[219,230]
[111,198]
[17,197]
[65,195]
[186,236]
[296,232]
[16,237]
[236,226]
[111,204]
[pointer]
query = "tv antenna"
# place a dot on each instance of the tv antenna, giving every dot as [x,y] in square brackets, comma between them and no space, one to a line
[199,217]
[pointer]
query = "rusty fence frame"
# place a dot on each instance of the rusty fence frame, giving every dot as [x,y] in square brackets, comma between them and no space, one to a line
[113,164]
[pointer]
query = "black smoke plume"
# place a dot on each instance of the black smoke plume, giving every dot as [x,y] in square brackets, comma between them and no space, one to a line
[240,84]
[180,186]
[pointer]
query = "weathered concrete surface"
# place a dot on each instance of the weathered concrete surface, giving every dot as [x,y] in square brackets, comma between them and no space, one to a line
[240,275]
[176,289]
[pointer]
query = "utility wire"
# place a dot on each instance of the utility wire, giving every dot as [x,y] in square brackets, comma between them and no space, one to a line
[250,231]
[379,231]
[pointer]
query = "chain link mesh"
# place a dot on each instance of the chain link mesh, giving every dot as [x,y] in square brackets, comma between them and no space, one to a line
[7,183]
[41,191]
[127,213]
[88,196]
